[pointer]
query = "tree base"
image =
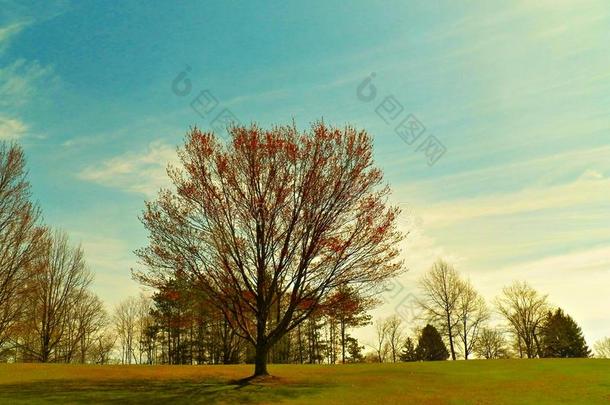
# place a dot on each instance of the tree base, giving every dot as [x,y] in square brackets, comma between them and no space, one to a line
[258,380]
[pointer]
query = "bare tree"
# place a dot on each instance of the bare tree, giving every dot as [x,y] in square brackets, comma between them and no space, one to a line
[381,346]
[602,348]
[525,311]
[271,224]
[86,319]
[491,344]
[395,335]
[442,287]
[20,236]
[472,314]
[56,284]
[126,326]
[145,321]
[103,346]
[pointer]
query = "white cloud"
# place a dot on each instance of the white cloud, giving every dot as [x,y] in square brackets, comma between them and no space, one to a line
[23,81]
[9,31]
[110,259]
[11,129]
[585,190]
[539,218]
[540,171]
[592,175]
[142,173]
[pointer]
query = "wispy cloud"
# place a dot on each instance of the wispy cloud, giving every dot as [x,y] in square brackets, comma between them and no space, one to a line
[11,129]
[142,173]
[265,96]
[539,171]
[110,258]
[22,81]
[579,193]
[9,31]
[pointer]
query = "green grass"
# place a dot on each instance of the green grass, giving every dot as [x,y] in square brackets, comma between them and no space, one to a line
[481,382]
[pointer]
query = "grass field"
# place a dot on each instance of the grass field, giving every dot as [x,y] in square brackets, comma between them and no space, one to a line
[480,382]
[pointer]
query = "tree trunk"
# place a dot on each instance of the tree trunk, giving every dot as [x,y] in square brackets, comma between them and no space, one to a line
[520,347]
[46,351]
[260,360]
[538,348]
[300,343]
[342,341]
[451,347]
[464,337]
[450,331]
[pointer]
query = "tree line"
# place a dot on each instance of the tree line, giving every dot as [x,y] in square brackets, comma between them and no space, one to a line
[457,324]
[174,327]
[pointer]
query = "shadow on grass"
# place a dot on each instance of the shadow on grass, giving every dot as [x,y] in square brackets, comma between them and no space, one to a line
[149,391]
[256,380]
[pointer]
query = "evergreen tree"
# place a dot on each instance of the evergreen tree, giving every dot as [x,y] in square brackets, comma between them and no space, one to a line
[354,350]
[562,337]
[409,352]
[430,346]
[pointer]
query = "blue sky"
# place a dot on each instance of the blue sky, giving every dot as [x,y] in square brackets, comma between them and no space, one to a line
[518,95]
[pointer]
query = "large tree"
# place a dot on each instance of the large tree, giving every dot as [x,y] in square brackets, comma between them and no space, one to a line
[272,223]
[409,351]
[20,236]
[430,346]
[471,313]
[381,346]
[525,310]
[562,337]
[442,288]
[491,344]
[125,319]
[57,285]
[395,330]
[86,320]
[602,348]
